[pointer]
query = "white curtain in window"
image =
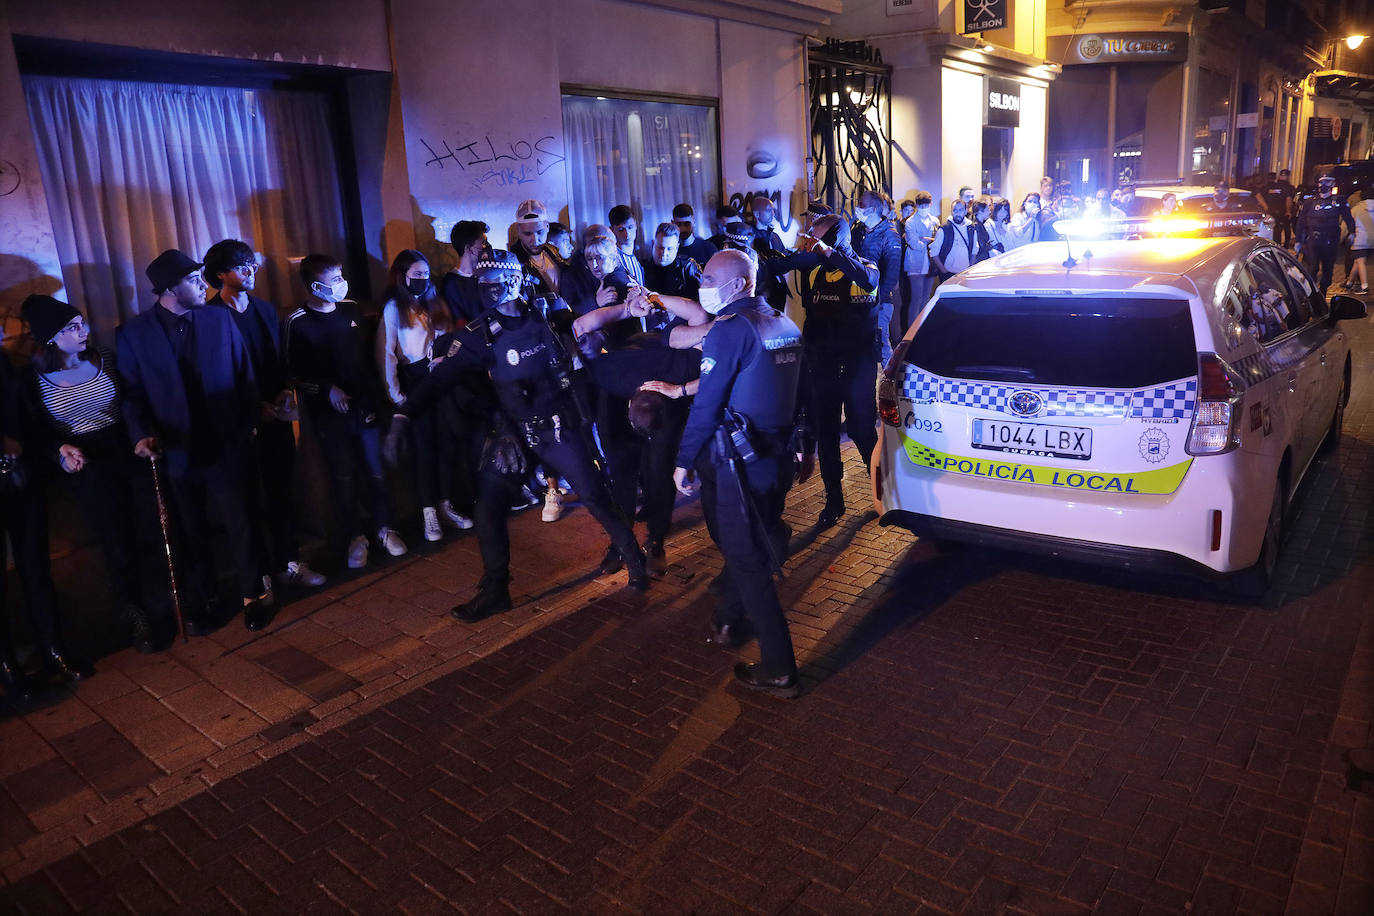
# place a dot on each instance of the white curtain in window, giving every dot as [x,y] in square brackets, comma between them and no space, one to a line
[649,155]
[131,169]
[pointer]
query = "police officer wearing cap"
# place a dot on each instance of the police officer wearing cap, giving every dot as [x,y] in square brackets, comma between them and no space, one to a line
[750,363]
[1319,229]
[839,293]
[537,414]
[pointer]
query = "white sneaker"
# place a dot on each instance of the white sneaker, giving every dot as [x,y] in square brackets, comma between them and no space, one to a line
[357,552]
[391,542]
[451,517]
[432,530]
[297,573]
[553,505]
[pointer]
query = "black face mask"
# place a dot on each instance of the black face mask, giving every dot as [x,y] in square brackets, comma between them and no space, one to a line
[417,286]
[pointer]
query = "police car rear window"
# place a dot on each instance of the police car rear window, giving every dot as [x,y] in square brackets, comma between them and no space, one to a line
[1071,341]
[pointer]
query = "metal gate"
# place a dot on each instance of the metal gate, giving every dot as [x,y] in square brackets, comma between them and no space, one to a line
[851,122]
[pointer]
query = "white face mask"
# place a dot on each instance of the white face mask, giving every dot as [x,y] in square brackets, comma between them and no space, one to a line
[710,299]
[337,290]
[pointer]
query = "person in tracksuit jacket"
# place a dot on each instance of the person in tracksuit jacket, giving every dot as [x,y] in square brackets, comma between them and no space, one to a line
[750,363]
[1319,229]
[839,292]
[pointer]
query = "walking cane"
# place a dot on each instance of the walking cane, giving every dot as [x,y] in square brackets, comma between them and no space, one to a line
[166,521]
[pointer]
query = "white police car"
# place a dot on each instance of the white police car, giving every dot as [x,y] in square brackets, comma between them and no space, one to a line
[1154,405]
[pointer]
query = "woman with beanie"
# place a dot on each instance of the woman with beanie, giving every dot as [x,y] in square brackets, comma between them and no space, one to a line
[72,398]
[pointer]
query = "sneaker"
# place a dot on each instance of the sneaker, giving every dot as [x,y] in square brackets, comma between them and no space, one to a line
[391,542]
[451,517]
[357,552]
[553,505]
[297,573]
[432,530]
[524,500]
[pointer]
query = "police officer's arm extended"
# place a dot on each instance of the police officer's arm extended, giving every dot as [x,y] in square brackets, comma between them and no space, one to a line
[723,352]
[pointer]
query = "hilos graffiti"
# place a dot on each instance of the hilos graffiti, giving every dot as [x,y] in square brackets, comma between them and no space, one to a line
[516,163]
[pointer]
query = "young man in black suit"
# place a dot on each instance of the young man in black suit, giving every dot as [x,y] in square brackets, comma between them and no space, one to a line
[190,399]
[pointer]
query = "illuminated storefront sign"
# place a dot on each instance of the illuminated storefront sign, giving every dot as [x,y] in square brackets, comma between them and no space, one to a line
[1119,47]
[1001,102]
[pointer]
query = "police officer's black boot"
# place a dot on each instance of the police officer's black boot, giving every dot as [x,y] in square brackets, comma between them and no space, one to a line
[638,567]
[493,597]
[834,508]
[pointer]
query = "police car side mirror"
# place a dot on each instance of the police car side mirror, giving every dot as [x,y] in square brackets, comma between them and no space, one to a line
[1348,308]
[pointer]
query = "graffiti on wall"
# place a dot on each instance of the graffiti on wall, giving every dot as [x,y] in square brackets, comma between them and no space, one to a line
[488,164]
[743,201]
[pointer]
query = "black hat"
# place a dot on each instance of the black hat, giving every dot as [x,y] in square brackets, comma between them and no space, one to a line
[170,268]
[683,211]
[46,317]
[816,208]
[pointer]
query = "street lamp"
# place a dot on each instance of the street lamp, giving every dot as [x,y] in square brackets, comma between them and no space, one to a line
[1354,41]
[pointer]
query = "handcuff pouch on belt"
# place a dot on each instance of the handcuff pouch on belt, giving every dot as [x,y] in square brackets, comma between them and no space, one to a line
[541,430]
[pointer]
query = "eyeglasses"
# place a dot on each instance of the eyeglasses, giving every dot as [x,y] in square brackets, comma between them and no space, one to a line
[248,268]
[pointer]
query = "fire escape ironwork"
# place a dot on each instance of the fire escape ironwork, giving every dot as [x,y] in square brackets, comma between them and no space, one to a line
[851,121]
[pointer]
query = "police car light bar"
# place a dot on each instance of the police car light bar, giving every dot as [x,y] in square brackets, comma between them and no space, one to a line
[1154,226]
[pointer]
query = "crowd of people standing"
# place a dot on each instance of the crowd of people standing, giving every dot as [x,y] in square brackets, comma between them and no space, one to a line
[559,364]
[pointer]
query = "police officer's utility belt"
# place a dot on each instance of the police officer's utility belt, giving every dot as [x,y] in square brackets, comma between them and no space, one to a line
[738,440]
[542,430]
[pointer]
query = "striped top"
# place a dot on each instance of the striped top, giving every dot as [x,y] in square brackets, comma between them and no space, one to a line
[86,408]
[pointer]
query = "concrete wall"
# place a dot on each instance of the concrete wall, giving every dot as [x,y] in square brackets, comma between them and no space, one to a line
[486,85]
[1028,146]
[961,152]
[28,254]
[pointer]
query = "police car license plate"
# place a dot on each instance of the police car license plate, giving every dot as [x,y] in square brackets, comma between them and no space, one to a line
[1033,439]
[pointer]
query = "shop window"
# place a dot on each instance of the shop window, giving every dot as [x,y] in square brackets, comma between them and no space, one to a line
[1211,126]
[997,144]
[648,154]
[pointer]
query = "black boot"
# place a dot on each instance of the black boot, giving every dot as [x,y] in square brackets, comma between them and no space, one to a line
[611,563]
[493,597]
[17,685]
[638,568]
[141,635]
[61,665]
[657,557]
[834,508]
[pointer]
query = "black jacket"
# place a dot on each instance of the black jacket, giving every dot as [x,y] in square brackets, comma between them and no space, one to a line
[751,362]
[155,397]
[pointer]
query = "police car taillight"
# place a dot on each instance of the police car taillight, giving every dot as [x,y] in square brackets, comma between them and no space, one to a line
[1216,418]
[889,384]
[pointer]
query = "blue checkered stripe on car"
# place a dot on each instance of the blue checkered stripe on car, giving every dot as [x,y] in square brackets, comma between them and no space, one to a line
[1166,402]
[1175,400]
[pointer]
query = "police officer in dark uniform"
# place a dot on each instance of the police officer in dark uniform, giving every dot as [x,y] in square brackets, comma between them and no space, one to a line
[749,370]
[1319,229]
[839,293]
[537,413]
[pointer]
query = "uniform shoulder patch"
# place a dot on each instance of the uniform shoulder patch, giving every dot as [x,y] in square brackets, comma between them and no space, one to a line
[707,364]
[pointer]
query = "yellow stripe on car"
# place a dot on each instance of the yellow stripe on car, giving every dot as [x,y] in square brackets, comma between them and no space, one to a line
[1158,480]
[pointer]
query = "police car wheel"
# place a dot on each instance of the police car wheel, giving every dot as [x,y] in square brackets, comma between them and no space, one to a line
[1333,434]
[1252,584]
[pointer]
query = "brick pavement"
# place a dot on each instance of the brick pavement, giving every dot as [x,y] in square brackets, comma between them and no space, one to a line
[980,732]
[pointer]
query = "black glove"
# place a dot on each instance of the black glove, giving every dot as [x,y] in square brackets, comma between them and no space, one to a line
[505,455]
[394,443]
